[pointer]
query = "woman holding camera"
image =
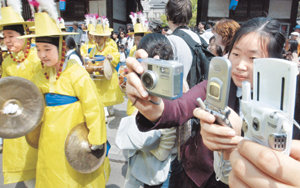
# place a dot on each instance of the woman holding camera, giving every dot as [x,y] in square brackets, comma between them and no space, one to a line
[257,38]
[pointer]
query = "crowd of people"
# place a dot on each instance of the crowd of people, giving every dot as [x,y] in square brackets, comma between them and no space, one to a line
[84,72]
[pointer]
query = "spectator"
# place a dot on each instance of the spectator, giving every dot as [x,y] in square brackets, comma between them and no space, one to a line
[169,113]
[292,52]
[166,30]
[115,37]
[214,48]
[122,38]
[201,29]
[77,37]
[224,31]
[72,52]
[148,167]
[123,54]
[130,40]
[84,37]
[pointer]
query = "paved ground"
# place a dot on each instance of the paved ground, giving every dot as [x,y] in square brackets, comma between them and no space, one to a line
[117,160]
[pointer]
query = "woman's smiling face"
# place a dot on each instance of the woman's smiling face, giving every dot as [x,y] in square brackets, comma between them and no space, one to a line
[244,51]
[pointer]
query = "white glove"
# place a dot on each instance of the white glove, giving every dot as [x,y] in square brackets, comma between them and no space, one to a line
[10,109]
[167,142]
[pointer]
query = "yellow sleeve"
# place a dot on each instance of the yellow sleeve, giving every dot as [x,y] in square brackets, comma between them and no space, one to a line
[132,51]
[83,50]
[4,67]
[113,51]
[92,108]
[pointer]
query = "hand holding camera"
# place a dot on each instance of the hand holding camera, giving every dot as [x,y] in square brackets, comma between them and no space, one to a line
[268,117]
[162,78]
[136,92]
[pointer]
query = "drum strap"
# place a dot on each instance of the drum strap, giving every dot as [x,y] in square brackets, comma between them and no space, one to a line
[54,99]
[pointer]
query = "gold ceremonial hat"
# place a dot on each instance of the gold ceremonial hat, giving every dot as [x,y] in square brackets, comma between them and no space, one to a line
[45,26]
[140,24]
[102,27]
[90,28]
[11,17]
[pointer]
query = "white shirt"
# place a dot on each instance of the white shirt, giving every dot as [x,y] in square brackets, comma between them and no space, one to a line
[130,42]
[72,56]
[182,51]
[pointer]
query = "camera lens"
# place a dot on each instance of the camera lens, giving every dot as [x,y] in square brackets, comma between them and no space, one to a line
[149,80]
[255,124]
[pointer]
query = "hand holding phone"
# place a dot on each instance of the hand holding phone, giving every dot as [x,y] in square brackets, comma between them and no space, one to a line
[218,86]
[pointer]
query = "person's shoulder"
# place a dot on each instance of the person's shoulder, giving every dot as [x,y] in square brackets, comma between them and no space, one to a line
[193,34]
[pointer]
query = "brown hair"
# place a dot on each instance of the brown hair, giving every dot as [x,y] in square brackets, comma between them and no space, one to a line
[179,11]
[226,28]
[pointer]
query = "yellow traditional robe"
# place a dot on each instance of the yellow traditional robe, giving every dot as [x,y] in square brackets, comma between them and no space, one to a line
[85,48]
[53,169]
[130,108]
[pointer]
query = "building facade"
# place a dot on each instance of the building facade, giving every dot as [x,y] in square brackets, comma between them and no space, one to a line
[283,10]
[154,9]
[117,11]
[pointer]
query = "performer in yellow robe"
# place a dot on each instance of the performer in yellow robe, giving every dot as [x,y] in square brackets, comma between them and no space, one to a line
[86,48]
[19,159]
[108,90]
[71,82]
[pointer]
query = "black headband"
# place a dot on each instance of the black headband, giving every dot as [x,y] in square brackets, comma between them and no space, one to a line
[50,40]
[17,28]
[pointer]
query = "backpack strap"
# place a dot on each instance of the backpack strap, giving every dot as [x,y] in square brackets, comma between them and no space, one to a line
[187,38]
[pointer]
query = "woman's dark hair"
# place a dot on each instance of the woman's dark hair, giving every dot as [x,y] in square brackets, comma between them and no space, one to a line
[179,11]
[71,44]
[293,46]
[157,44]
[268,29]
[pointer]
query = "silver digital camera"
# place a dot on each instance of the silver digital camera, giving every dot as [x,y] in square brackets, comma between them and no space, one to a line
[268,117]
[163,78]
[218,85]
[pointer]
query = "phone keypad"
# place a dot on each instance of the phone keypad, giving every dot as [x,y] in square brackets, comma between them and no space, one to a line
[278,141]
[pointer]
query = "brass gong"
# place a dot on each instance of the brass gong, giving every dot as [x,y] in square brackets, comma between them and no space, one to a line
[21,107]
[78,152]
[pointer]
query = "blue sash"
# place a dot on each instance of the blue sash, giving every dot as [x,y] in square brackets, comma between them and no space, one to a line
[54,99]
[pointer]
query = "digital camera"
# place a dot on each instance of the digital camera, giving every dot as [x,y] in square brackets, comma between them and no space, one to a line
[268,117]
[218,85]
[163,78]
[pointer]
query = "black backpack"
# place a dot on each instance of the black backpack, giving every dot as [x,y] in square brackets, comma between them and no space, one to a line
[201,57]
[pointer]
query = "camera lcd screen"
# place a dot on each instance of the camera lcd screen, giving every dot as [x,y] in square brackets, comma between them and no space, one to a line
[214,90]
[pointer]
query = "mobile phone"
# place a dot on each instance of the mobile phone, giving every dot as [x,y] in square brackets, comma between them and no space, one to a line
[268,117]
[218,85]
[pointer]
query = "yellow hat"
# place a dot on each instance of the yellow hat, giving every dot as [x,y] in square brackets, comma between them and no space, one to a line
[140,24]
[45,26]
[90,28]
[102,27]
[11,17]
[90,21]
